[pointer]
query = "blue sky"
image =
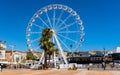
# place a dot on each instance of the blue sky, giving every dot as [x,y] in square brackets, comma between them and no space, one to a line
[101,19]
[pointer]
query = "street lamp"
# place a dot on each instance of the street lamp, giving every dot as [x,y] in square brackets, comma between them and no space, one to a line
[71,49]
[11,61]
[104,59]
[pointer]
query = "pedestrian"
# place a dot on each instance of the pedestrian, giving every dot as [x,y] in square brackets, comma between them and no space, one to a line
[58,67]
[88,67]
[104,65]
[1,67]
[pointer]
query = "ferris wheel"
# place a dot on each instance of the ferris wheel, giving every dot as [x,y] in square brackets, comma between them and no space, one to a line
[65,23]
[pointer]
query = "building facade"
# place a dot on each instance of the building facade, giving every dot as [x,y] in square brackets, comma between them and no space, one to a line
[2,53]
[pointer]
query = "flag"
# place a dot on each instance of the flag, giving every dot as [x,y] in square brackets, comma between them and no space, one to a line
[4,42]
[0,41]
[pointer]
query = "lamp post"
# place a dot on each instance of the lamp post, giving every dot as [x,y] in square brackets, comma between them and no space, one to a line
[11,60]
[104,59]
[71,50]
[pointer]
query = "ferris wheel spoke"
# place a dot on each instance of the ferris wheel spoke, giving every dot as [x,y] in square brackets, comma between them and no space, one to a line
[64,44]
[59,18]
[76,49]
[43,22]
[32,41]
[64,20]
[67,38]
[38,26]
[37,48]
[54,18]
[70,32]
[48,19]
[35,32]
[67,26]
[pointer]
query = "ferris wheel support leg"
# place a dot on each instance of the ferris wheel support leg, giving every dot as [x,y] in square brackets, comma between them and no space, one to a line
[42,58]
[55,59]
[61,50]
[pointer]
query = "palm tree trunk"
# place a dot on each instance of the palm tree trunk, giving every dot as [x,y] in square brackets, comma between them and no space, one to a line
[45,62]
[49,61]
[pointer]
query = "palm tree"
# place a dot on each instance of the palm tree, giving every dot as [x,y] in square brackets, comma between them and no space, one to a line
[51,50]
[46,44]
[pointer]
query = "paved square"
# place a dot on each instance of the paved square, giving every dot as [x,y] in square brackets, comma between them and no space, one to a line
[57,72]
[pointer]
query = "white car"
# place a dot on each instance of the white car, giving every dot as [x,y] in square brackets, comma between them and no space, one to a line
[36,67]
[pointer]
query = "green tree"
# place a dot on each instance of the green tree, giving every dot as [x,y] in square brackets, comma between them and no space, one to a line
[30,56]
[46,44]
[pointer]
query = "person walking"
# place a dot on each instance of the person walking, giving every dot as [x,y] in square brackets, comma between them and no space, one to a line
[88,67]
[1,67]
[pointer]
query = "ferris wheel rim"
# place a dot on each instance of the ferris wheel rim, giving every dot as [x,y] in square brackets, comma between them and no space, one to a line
[59,6]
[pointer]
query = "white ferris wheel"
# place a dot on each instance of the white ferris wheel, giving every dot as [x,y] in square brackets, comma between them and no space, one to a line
[63,21]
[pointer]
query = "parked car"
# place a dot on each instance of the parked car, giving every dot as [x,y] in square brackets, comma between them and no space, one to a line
[36,67]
